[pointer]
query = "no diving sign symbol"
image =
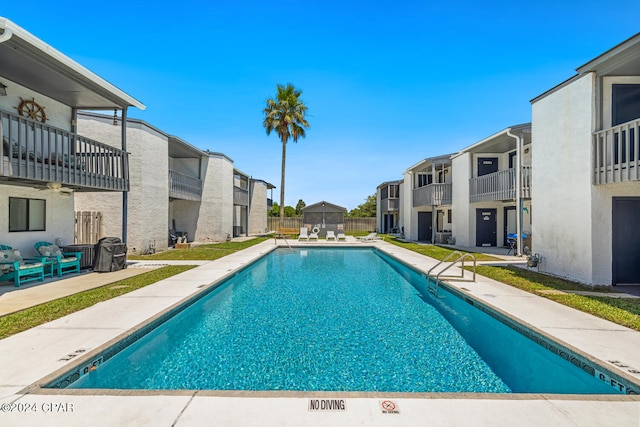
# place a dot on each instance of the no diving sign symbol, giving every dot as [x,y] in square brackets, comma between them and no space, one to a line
[389,407]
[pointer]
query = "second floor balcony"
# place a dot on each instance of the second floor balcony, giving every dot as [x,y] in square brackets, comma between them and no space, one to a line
[184,187]
[33,153]
[616,153]
[500,186]
[240,196]
[432,195]
[390,205]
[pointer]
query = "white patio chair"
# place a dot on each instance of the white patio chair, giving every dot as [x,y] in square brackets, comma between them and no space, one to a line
[304,234]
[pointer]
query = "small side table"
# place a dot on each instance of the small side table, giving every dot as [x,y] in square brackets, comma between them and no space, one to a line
[48,263]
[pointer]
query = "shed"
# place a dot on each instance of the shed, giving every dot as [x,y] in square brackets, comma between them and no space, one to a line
[325,216]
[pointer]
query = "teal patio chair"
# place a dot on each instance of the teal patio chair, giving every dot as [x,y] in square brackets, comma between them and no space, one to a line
[63,262]
[20,270]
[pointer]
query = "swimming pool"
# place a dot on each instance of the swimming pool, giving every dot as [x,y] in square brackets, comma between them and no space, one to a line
[336,320]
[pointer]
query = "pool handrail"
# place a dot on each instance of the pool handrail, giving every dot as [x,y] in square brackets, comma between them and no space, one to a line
[433,285]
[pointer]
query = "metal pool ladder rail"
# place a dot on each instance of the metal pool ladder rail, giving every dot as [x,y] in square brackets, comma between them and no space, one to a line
[433,283]
[283,237]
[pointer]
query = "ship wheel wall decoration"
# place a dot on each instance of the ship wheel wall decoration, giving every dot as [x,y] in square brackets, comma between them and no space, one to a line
[32,110]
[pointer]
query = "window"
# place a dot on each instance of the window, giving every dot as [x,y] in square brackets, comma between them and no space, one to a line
[26,214]
[625,103]
[424,179]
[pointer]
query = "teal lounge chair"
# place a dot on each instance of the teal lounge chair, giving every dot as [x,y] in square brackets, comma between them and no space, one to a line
[63,262]
[17,269]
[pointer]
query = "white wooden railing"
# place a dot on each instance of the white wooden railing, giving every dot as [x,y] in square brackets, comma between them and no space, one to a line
[390,205]
[500,185]
[432,195]
[616,153]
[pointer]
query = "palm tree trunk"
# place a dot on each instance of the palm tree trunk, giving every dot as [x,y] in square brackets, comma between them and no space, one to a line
[284,159]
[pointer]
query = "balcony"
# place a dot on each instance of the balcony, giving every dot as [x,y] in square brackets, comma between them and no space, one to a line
[616,154]
[500,186]
[34,153]
[432,195]
[184,187]
[240,196]
[390,205]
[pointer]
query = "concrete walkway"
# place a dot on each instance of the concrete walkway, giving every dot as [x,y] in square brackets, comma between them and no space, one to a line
[30,294]
[32,355]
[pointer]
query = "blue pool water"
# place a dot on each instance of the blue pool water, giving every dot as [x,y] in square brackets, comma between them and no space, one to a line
[337,320]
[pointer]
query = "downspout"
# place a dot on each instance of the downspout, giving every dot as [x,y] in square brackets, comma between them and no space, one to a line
[518,191]
[125,193]
[248,207]
[433,206]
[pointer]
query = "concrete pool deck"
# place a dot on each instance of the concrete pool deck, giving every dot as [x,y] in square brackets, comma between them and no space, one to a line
[35,354]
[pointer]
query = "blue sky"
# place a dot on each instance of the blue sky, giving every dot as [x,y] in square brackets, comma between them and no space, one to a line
[387,83]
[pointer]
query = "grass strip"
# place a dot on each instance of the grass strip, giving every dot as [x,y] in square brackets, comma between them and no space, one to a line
[434,251]
[21,321]
[622,311]
[207,252]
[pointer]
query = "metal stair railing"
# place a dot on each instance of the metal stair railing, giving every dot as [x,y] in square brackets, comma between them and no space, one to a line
[283,237]
[434,282]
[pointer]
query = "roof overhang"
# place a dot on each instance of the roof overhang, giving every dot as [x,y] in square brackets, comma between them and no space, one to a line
[178,148]
[445,159]
[387,183]
[621,60]
[30,62]
[499,142]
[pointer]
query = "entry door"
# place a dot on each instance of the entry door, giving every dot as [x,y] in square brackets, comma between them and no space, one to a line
[486,227]
[425,226]
[509,221]
[626,238]
[388,223]
[487,165]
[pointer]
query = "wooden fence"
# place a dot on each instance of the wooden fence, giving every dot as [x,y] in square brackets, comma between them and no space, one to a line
[350,224]
[88,228]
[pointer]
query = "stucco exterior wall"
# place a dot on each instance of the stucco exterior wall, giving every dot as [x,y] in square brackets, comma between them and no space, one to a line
[406,204]
[258,212]
[58,114]
[186,166]
[563,219]
[462,212]
[215,216]
[148,210]
[59,218]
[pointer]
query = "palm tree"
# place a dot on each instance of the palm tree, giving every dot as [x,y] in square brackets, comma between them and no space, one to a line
[285,114]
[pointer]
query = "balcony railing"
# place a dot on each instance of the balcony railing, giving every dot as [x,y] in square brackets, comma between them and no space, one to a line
[33,152]
[240,196]
[390,205]
[616,153]
[184,187]
[432,195]
[500,185]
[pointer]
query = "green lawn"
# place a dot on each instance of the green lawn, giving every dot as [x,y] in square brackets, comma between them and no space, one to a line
[433,251]
[202,252]
[34,316]
[625,312]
